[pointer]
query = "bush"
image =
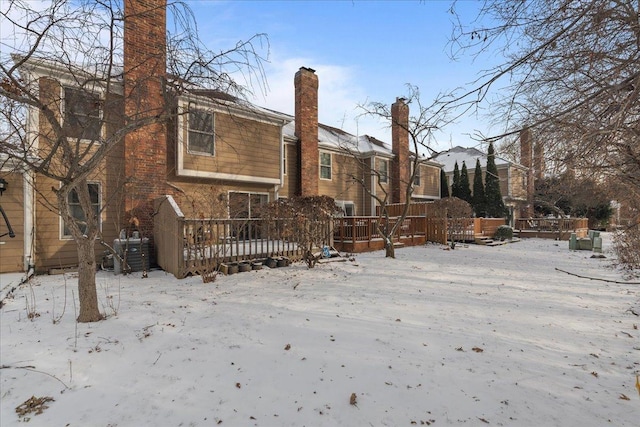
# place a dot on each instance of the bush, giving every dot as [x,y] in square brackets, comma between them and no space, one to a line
[627,248]
[504,232]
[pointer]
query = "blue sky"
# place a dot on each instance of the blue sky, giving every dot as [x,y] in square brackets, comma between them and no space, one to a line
[362,51]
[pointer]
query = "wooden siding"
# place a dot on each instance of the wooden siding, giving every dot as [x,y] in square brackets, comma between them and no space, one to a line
[342,186]
[518,188]
[242,147]
[429,182]
[12,200]
[51,250]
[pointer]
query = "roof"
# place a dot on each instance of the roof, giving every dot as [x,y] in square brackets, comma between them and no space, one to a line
[333,138]
[468,156]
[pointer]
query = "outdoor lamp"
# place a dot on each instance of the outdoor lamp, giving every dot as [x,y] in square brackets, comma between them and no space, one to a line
[3,185]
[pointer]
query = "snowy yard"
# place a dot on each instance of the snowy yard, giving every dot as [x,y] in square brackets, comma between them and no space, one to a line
[475,336]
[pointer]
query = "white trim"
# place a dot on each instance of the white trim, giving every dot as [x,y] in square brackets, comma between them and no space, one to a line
[249,193]
[320,153]
[226,176]
[343,203]
[188,129]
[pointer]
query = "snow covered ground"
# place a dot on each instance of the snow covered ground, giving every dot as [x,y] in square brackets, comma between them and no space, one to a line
[472,336]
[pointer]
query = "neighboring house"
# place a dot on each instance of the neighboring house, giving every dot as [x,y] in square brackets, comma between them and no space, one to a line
[513,177]
[218,156]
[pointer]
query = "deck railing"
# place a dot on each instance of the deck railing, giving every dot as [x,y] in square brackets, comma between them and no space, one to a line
[560,227]
[192,246]
[367,228]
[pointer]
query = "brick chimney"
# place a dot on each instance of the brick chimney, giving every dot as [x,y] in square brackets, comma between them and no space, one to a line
[144,75]
[538,160]
[400,170]
[526,159]
[306,100]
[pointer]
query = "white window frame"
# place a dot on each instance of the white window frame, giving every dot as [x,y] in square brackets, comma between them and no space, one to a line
[284,159]
[325,166]
[248,194]
[342,204]
[97,94]
[64,236]
[192,106]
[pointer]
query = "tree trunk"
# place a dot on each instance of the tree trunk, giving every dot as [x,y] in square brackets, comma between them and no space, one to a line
[389,249]
[87,292]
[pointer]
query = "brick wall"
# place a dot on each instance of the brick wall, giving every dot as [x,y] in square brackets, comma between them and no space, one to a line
[145,70]
[401,167]
[306,121]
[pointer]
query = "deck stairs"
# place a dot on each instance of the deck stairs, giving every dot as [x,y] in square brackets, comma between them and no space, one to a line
[481,239]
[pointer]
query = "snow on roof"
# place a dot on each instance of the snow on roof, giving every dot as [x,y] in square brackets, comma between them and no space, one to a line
[468,156]
[334,138]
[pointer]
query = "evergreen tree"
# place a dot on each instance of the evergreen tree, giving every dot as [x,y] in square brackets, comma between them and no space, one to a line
[478,200]
[465,189]
[495,204]
[444,185]
[455,187]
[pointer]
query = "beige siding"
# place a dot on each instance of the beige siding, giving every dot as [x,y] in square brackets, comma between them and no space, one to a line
[51,250]
[12,201]
[341,186]
[242,147]
[429,182]
[503,174]
[518,183]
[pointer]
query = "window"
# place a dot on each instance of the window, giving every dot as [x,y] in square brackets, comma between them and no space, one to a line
[416,178]
[246,205]
[76,209]
[349,208]
[82,114]
[382,168]
[201,135]
[284,160]
[325,165]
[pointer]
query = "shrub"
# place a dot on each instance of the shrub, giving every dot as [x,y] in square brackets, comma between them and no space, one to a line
[627,247]
[504,232]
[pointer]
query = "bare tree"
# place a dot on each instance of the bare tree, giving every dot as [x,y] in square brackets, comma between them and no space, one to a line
[65,133]
[571,74]
[420,127]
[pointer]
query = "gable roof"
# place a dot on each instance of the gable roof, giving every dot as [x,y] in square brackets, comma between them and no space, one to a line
[468,156]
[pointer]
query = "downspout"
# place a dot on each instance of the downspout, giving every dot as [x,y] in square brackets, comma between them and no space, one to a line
[29,228]
[276,187]
[373,186]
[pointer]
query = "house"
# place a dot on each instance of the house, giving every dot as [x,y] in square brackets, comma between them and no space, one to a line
[514,180]
[215,154]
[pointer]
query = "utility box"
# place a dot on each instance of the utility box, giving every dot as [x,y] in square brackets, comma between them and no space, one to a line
[134,252]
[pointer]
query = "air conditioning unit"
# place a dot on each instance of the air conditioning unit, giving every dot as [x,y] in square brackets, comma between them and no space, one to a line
[134,252]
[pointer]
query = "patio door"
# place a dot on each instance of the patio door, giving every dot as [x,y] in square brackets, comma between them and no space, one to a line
[246,206]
